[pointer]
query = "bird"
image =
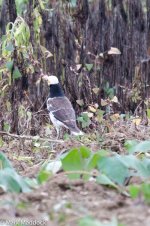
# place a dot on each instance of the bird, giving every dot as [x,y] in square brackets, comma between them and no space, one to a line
[60,108]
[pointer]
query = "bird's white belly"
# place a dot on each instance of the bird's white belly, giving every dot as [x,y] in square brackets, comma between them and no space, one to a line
[55,122]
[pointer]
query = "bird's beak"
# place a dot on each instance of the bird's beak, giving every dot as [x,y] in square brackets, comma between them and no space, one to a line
[46,78]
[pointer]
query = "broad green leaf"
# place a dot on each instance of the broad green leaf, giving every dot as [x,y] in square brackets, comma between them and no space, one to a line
[9,179]
[134,191]
[8,182]
[137,167]
[19,30]
[130,143]
[16,73]
[103,179]
[85,152]
[12,182]
[92,161]
[145,188]
[72,161]
[43,176]
[113,168]
[81,159]
[143,146]
[4,162]
[9,65]
[94,158]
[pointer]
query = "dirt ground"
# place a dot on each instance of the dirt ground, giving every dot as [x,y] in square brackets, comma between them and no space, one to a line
[65,202]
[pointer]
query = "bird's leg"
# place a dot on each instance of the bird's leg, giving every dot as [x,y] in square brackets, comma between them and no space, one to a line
[58,132]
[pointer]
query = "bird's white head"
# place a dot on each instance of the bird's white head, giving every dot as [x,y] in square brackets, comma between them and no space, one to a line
[51,80]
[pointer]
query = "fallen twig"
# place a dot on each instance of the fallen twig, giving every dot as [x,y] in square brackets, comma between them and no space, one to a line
[25,137]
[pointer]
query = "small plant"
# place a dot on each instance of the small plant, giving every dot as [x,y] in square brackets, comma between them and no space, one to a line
[9,179]
[81,161]
[109,92]
[88,221]
[84,119]
[140,190]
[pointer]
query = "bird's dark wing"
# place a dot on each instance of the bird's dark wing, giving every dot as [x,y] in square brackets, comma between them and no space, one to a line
[63,111]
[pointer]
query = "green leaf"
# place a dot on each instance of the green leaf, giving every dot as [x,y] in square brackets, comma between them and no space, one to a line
[145,188]
[12,182]
[141,166]
[113,168]
[134,191]
[4,162]
[130,143]
[72,161]
[9,65]
[1,142]
[16,73]
[84,119]
[89,66]
[85,152]
[111,93]
[93,160]
[8,182]
[143,146]
[9,179]
[89,221]
[81,159]
[103,179]
[43,176]
[148,113]
[100,114]
[6,127]
[10,47]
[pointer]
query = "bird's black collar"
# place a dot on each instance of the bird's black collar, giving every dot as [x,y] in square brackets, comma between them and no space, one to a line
[56,91]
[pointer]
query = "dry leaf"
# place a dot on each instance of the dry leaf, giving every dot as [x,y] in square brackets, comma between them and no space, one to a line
[95,90]
[104,102]
[78,66]
[48,54]
[114,117]
[96,105]
[80,102]
[114,51]
[137,121]
[114,99]
[38,81]
[92,109]
[90,114]
[45,52]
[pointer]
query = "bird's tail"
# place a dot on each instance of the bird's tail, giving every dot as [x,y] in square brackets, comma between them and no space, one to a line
[77,132]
